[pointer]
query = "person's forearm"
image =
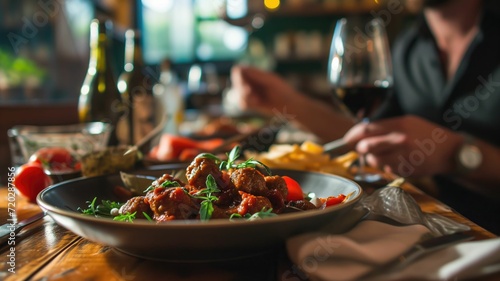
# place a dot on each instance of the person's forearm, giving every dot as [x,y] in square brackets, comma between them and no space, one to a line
[486,179]
[318,118]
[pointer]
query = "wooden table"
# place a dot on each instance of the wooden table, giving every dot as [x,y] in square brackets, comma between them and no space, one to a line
[46,251]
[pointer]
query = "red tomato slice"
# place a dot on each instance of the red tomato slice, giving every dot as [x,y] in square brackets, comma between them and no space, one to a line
[30,179]
[171,147]
[209,144]
[334,200]
[55,159]
[294,190]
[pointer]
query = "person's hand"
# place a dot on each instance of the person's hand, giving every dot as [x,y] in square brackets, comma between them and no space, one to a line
[260,90]
[269,94]
[406,146]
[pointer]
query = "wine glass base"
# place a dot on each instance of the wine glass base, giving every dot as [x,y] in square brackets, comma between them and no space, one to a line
[369,178]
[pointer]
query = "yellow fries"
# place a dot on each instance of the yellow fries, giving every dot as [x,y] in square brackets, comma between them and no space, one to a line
[308,156]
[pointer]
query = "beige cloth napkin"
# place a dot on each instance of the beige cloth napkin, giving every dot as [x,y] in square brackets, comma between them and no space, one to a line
[350,255]
[370,244]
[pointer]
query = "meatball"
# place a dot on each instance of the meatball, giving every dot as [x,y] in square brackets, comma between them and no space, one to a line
[138,205]
[171,203]
[251,204]
[249,180]
[166,177]
[198,171]
[276,199]
[223,213]
[227,198]
[277,183]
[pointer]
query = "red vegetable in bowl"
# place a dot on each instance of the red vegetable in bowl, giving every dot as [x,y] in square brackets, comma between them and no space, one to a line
[30,179]
[334,200]
[56,159]
[294,190]
[172,147]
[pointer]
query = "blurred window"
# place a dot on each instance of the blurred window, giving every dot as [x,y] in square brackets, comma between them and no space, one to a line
[188,31]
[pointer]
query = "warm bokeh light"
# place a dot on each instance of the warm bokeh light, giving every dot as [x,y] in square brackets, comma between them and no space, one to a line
[272,4]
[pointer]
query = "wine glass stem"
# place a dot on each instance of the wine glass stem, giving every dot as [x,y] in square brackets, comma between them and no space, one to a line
[361,167]
[362,175]
[362,160]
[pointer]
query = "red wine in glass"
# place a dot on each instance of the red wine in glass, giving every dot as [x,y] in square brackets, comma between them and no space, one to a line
[363,101]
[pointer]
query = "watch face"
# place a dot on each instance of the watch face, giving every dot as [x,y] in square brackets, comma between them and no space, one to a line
[470,157]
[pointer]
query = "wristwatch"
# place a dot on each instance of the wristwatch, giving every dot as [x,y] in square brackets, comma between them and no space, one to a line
[469,156]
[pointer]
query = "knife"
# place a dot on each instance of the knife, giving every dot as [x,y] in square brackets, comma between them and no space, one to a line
[334,145]
[418,250]
[11,229]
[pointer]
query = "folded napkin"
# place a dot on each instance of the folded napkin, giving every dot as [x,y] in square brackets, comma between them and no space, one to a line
[352,254]
[464,261]
[369,244]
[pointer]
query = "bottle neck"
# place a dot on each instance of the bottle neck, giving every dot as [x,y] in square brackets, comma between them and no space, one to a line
[101,53]
[98,46]
[94,46]
[133,51]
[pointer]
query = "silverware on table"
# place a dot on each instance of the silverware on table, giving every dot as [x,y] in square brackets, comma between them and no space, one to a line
[416,251]
[11,229]
[149,136]
[334,146]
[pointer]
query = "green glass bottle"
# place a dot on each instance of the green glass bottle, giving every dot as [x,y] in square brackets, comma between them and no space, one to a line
[135,85]
[100,99]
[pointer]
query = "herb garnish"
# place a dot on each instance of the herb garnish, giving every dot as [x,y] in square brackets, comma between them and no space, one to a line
[106,209]
[206,206]
[164,184]
[128,217]
[147,216]
[91,207]
[103,209]
[232,157]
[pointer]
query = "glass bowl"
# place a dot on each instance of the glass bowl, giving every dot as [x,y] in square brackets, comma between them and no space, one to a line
[79,139]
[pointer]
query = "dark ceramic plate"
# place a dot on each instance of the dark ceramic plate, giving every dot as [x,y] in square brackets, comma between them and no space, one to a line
[192,241]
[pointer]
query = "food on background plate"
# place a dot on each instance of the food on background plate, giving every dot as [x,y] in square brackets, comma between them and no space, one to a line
[219,127]
[108,161]
[46,166]
[180,148]
[307,156]
[226,127]
[215,189]
[56,159]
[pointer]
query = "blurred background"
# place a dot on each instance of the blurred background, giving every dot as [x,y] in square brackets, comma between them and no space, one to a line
[44,47]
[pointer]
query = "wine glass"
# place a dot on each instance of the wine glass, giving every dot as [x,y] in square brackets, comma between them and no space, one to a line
[360,71]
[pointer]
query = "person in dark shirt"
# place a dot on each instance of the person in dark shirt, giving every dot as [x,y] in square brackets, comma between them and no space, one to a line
[441,119]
